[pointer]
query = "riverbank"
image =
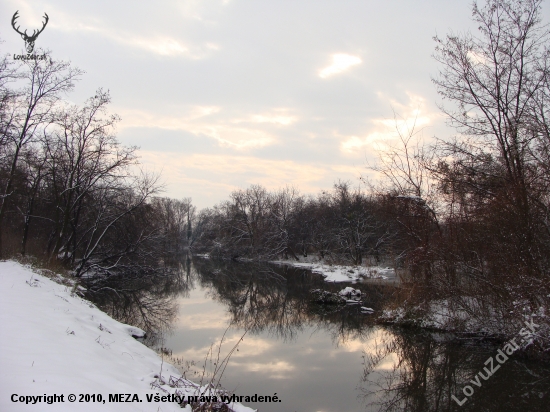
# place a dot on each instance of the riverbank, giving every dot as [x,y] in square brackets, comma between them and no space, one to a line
[341,273]
[465,317]
[55,343]
[330,271]
[468,318]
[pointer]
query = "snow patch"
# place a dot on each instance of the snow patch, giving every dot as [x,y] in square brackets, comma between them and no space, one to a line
[342,273]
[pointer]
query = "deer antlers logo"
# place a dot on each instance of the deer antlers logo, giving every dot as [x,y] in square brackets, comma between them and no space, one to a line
[29,40]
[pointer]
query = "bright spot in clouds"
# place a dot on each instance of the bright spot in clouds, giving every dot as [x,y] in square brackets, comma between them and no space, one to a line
[163,46]
[280,117]
[340,63]
[167,46]
[409,119]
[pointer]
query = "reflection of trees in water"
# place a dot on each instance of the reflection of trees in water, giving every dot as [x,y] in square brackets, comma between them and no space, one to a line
[426,369]
[418,371]
[345,325]
[146,299]
[277,299]
[258,297]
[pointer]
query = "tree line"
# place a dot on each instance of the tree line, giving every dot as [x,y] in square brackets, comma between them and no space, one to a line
[71,193]
[342,225]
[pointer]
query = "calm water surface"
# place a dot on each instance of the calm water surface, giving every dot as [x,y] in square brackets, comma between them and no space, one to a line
[315,357]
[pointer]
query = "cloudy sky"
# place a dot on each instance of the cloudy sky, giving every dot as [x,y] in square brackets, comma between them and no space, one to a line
[221,94]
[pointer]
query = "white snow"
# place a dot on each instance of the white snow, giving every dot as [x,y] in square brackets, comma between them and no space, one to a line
[467,315]
[52,342]
[342,273]
[349,291]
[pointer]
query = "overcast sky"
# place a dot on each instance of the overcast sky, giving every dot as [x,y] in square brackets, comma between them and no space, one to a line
[221,94]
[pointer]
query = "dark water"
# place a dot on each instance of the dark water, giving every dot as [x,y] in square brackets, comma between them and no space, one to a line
[314,357]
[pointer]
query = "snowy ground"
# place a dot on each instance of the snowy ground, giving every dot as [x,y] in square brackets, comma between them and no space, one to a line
[342,273]
[468,315]
[55,343]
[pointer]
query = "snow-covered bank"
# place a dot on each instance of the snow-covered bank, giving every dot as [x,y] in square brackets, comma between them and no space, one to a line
[55,343]
[342,273]
[473,317]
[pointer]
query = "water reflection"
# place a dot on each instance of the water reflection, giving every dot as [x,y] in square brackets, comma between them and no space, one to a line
[311,354]
[146,299]
[421,371]
[277,300]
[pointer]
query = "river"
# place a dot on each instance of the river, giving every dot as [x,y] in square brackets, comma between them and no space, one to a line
[327,358]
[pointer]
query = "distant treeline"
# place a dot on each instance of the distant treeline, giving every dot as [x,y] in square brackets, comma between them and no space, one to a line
[343,225]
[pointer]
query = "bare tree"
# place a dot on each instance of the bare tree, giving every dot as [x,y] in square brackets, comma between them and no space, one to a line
[83,154]
[176,219]
[31,109]
[497,83]
[282,218]
[8,74]
[403,164]
[110,241]
[35,171]
[489,255]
